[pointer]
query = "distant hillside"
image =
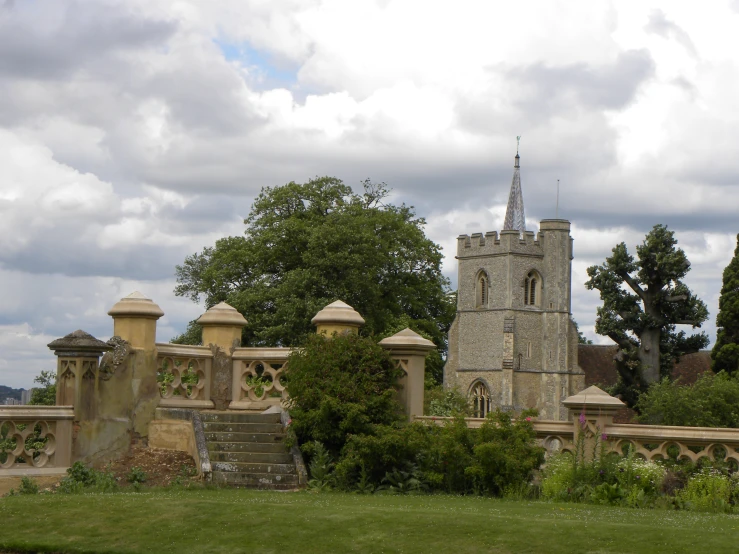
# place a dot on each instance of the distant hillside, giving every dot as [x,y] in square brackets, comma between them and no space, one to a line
[7,392]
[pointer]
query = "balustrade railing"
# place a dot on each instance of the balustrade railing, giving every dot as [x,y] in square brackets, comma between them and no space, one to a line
[651,442]
[259,378]
[184,375]
[35,440]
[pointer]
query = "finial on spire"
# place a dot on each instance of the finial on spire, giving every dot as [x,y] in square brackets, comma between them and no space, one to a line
[518,158]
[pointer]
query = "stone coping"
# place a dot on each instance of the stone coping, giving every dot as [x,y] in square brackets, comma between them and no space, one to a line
[222,314]
[262,353]
[183,350]
[136,305]
[407,339]
[36,412]
[80,343]
[340,313]
[593,398]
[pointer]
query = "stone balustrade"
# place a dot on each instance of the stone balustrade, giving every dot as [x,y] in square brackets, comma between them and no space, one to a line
[35,440]
[184,375]
[592,432]
[258,378]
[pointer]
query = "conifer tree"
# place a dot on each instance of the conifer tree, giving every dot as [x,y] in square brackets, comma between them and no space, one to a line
[725,352]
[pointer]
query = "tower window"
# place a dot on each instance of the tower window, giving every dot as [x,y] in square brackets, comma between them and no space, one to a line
[532,289]
[482,292]
[480,399]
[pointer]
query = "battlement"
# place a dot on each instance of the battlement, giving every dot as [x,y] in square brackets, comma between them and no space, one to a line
[494,243]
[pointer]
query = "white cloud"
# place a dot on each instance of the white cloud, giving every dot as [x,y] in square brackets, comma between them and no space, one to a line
[128,139]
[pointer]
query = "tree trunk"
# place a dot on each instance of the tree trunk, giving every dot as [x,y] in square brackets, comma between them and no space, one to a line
[649,355]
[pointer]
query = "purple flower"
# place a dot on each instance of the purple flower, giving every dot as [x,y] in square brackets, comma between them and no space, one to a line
[582,419]
[602,472]
[638,477]
[604,437]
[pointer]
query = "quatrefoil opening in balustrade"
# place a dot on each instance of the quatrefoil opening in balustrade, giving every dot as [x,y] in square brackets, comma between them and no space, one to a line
[261,380]
[181,377]
[24,444]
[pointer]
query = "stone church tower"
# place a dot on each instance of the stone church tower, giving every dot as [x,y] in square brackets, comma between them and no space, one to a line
[513,343]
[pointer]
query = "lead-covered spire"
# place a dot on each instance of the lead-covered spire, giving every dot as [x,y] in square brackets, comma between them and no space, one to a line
[515,219]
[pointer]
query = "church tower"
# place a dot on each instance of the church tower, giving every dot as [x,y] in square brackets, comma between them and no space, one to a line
[513,343]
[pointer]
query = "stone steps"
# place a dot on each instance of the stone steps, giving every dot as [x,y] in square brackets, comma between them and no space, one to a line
[255,447]
[231,427]
[256,480]
[248,450]
[252,457]
[244,437]
[236,417]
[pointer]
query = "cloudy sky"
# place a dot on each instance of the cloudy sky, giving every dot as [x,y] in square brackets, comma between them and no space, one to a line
[135,132]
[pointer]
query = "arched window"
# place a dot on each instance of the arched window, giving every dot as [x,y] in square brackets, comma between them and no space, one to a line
[482,290]
[532,289]
[480,399]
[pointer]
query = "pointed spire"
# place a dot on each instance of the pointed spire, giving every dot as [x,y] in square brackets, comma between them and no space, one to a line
[515,219]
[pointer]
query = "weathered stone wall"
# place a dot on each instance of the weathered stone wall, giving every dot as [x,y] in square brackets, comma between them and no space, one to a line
[539,369]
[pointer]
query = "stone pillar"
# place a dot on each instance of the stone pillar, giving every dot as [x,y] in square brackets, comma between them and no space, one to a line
[78,355]
[135,321]
[409,349]
[338,317]
[222,326]
[592,412]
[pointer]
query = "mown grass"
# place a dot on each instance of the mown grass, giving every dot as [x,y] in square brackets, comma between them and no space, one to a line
[231,521]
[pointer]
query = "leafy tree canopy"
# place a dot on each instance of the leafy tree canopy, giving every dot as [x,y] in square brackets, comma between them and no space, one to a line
[713,401]
[45,395]
[725,352]
[643,301]
[307,245]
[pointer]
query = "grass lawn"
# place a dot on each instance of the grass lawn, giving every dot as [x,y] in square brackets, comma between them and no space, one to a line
[229,521]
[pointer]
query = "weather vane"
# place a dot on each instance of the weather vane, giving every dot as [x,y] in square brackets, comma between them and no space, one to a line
[518,142]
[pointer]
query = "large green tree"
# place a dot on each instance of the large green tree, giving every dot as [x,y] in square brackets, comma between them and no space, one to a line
[643,301]
[725,352]
[306,245]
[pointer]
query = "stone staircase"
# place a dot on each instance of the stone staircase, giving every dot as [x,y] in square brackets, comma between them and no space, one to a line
[248,450]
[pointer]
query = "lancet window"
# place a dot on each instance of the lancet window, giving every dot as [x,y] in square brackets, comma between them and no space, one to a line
[532,289]
[483,291]
[480,399]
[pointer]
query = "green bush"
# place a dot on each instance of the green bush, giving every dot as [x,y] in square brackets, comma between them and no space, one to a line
[341,387]
[441,402]
[707,490]
[28,486]
[81,478]
[713,401]
[136,475]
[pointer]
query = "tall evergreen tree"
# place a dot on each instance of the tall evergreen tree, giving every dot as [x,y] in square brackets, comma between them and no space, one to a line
[643,300]
[725,352]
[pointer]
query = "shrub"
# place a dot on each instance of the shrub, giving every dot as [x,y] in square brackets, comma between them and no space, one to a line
[341,387]
[136,475]
[557,476]
[442,402]
[707,490]
[320,468]
[712,401]
[28,486]
[81,478]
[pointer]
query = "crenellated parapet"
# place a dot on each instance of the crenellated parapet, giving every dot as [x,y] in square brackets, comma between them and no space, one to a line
[493,243]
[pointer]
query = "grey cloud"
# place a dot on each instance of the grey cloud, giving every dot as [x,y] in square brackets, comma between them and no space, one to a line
[548,90]
[658,24]
[51,41]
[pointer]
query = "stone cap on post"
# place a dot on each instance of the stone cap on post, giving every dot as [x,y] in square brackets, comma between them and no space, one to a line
[78,344]
[408,341]
[222,315]
[593,401]
[337,317]
[136,305]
